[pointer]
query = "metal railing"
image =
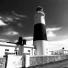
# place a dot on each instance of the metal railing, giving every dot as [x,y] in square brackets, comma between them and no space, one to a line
[59,52]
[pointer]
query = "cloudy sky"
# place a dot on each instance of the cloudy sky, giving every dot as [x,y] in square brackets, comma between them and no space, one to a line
[16,18]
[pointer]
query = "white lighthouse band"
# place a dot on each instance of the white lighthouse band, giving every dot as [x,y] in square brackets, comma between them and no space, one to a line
[40,17]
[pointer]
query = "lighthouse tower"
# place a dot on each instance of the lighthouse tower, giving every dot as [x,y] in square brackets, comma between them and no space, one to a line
[39,35]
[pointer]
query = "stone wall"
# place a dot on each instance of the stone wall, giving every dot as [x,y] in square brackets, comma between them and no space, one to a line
[57,64]
[41,60]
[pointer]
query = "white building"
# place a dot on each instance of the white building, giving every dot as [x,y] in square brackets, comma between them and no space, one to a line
[10,48]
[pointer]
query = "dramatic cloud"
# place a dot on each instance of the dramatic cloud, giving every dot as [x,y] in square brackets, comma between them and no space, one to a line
[51,33]
[8,19]
[4,40]
[18,15]
[53,29]
[28,38]
[2,23]
[11,17]
[11,33]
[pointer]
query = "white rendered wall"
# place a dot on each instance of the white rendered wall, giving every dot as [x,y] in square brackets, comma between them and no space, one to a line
[39,47]
[28,51]
[2,50]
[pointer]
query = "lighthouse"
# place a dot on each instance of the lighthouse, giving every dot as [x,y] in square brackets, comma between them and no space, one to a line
[39,35]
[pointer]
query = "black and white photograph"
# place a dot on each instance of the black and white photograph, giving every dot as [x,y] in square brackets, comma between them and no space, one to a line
[34,34]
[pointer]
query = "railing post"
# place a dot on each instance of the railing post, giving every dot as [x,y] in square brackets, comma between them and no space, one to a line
[6,58]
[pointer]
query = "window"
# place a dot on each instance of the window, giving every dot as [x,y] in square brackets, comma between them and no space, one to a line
[28,50]
[6,49]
